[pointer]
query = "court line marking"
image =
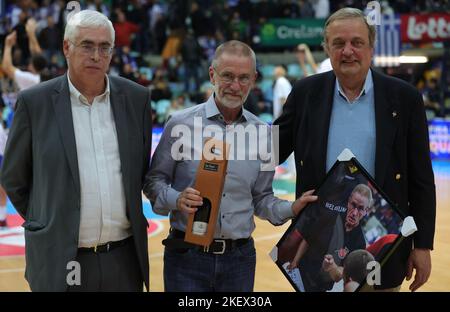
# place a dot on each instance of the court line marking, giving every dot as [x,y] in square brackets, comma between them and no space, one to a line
[5,271]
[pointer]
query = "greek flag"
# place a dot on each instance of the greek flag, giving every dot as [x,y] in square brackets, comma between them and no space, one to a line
[388,42]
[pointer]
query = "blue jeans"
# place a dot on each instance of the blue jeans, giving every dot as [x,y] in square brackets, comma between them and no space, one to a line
[192,270]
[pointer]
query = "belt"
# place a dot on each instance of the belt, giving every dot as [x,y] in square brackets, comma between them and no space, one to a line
[106,247]
[218,246]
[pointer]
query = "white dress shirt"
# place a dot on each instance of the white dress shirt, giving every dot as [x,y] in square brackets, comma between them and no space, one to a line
[103,208]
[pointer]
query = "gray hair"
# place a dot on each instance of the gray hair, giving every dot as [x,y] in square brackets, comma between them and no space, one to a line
[365,191]
[88,19]
[234,47]
[349,13]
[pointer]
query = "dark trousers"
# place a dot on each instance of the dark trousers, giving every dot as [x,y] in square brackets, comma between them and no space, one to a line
[114,270]
[192,270]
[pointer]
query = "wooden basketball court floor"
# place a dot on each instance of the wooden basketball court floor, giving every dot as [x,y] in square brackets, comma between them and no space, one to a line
[268,276]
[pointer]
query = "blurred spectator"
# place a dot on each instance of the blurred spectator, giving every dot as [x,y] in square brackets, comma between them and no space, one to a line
[282,88]
[97,5]
[265,9]
[208,44]
[50,39]
[24,79]
[155,12]
[244,7]
[177,14]
[206,90]
[160,86]
[22,38]
[191,54]
[176,104]
[306,60]
[155,121]
[158,32]
[432,97]
[198,20]
[238,28]
[136,13]
[290,9]
[126,58]
[33,44]
[324,66]
[171,50]
[321,8]
[386,8]
[256,102]
[306,9]
[127,72]
[143,80]
[401,6]
[125,30]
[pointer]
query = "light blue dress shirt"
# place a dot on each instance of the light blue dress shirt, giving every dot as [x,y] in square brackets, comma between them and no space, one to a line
[352,126]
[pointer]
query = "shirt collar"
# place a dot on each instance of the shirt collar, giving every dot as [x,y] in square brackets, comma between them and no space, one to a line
[212,110]
[77,94]
[368,86]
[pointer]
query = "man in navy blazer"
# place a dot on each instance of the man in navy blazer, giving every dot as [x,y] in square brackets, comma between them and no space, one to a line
[381,120]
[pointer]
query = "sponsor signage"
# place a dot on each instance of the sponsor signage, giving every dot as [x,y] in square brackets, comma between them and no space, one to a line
[290,32]
[439,131]
[425,27]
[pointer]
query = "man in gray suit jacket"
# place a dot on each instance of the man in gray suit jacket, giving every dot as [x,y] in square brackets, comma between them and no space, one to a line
[75,160]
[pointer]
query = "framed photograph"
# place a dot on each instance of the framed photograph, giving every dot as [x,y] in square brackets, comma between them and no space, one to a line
[333,241]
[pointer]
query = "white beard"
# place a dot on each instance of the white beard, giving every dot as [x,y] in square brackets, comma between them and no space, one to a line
[229,103]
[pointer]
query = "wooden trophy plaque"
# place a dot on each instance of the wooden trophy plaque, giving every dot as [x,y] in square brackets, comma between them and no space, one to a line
[209,182]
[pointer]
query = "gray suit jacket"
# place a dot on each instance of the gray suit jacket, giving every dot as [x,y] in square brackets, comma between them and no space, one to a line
[40,174]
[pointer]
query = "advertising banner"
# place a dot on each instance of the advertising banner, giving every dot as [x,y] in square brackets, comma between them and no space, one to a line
[425,27]
[439,131]
[290,32]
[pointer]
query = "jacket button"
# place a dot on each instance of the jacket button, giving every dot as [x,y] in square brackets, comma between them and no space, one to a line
[397,176]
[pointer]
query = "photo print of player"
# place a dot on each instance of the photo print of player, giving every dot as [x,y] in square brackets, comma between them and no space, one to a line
[329,245]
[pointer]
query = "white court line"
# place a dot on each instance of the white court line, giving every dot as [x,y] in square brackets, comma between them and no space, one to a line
[5,271]
[156,255]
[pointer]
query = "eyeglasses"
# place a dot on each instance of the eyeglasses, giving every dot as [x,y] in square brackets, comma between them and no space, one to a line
[228,78]
[87,48]
[355,205]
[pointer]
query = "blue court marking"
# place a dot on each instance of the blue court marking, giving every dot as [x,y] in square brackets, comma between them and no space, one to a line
[442,167]
[148,212]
